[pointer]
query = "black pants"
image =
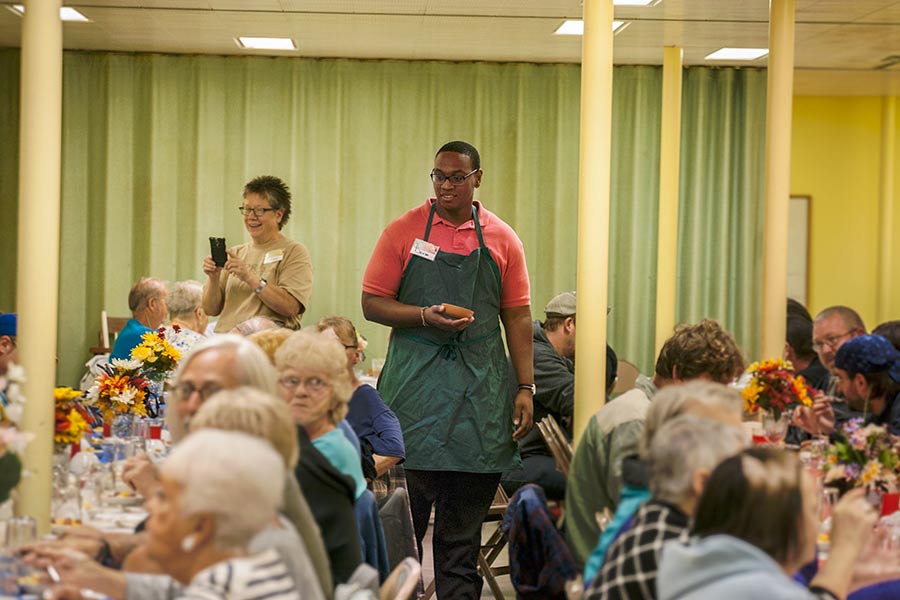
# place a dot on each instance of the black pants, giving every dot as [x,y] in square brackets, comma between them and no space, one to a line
[538,469]
[461,502]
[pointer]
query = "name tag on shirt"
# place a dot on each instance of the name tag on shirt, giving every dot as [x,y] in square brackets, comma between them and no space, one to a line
[273,257]
[424,249]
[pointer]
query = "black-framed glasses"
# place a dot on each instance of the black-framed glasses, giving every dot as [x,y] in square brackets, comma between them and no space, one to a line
[439,178]
[829,342]
[256,211]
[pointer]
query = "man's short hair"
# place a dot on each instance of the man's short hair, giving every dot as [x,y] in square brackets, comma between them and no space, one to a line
[890,330]
[695,350]
[850,317]
[184,299]
[794,308]
[462,148]
[146,289]
[799,337]
[276,193]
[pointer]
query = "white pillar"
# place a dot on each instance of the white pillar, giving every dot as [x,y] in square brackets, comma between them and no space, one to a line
[778,176]
[669,164]
[40,134]
[593,209]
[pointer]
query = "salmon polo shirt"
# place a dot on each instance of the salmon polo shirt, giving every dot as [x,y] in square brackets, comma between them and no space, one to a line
[391,254]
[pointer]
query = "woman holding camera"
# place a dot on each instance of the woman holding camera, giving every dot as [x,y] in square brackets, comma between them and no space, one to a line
[269,276]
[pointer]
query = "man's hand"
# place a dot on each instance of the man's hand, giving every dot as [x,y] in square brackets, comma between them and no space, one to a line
[434,316]
[817,419]
[523,414]
[141,474]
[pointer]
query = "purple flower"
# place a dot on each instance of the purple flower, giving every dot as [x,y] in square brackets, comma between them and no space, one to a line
[851,471]
[853,425]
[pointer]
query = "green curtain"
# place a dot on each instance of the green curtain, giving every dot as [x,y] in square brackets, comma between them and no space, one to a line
[157,148]
[720,215]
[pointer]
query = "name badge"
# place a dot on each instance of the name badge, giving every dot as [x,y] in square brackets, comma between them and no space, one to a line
[424,249]
[273,257]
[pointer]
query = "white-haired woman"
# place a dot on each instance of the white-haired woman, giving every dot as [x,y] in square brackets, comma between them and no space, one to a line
[187,319]
[312,371]
[219,490]
[249,411]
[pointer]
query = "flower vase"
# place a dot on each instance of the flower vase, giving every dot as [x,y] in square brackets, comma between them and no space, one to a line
[122,425]
[155,390]
[775,425]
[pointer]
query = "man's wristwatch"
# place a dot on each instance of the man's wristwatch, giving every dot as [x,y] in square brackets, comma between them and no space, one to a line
[262,283]
[528,386]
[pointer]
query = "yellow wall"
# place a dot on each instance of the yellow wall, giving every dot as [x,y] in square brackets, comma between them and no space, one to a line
[836,159]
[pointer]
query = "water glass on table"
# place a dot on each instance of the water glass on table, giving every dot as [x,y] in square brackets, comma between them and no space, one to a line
[775,428]
[20,531]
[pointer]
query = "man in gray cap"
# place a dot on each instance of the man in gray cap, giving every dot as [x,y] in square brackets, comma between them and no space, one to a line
[8,331]
[554,381]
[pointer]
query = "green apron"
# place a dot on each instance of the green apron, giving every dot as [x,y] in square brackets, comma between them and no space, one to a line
[449,389]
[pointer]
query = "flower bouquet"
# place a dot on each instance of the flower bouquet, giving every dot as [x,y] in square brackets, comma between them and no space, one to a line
[157,356]
[12,441]
[72,418]
[774,387]
[120,389]
[866,456]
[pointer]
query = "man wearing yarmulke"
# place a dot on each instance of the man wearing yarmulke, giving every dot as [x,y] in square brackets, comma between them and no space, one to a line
[8,330]
[868,368]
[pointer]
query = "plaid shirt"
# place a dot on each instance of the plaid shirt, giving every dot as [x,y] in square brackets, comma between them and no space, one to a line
[631,564]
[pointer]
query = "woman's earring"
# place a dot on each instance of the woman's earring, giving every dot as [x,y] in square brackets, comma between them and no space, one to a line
[188,543]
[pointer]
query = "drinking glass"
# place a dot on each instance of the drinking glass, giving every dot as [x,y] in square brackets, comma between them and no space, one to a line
[775,429]
[20,531]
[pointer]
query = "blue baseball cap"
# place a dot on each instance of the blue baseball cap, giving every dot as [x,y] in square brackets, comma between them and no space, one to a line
[868,354]
[8,324]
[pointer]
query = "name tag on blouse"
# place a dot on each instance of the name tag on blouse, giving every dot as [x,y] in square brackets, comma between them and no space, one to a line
[273,257]
[424,249]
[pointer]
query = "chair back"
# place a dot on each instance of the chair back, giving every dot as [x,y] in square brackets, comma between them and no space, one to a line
[399,533]
[557,442]
[109,326]
[401,584]
[626,375]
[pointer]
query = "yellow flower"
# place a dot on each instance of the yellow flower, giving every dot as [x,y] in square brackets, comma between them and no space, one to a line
[141,353]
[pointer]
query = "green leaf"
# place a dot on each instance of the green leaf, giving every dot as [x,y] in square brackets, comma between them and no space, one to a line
[10,474]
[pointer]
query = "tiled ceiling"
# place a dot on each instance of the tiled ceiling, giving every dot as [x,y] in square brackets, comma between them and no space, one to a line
[842,46]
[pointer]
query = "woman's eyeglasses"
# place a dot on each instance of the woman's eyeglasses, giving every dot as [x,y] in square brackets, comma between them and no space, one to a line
[312,384]
[256,211]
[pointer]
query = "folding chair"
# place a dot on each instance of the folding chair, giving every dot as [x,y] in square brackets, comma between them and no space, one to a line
[557,442]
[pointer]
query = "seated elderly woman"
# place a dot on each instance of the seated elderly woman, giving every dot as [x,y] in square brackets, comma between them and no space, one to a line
[244,410]
[186,315]
[375,424]
[756,523]
[219,490]
[681,456]
[312,370]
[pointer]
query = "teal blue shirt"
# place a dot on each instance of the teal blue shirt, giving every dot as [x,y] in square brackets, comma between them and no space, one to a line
[128,338]
[335,446]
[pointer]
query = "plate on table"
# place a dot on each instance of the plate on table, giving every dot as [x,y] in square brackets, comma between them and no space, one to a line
[118,500]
